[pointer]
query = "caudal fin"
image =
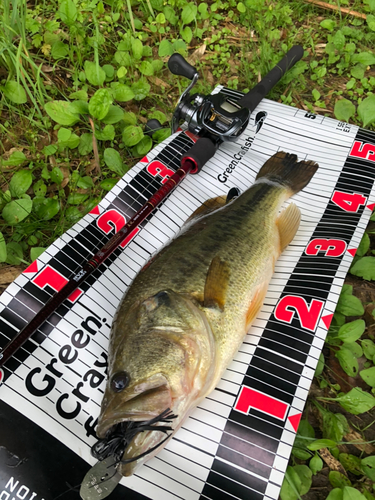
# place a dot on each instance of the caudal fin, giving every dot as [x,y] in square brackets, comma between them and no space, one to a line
[285,169]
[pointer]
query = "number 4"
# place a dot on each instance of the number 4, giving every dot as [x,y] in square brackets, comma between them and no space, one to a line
[350,202]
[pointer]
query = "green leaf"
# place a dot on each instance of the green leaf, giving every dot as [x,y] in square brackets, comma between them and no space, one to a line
[73,215]
[352,494]
[371,21]
[68,12]
[349,305]
[14,253]
[358,71]
[57,175]
[321,443]
[351,463]
[366,110]
[335,426]
[141,89]
[291,485]
[363,246]
[304,436]
[241,8]
[335,494]
[20,183]
[114,162]
[186,34]
[339,40]
[129,118]
[368,465]
[368,347]
[137,48]
[40,188]
[94,73]
[328,24]
[189,13]
[316,464]
[15,159]
[123,59]
[81,95]
[80,107]
[76,198]
[146,68]
[368,375]
[35,252]
[85,144]
[366,58]
[131,135]
[107,134]
[108,184]
[99,103]
[350,332]
[46,208]
[114,115]
[356,401]
[144,146]
[338,480]
[305,475]
[109,71]
[14,92]
[59,50]
[319,366]
[348,361]
[61,112]
[344,109]
[365,268]
[165,48]
[355,348]
[85,182]
[3,249]
[16,211]
[121,92]
[159,115]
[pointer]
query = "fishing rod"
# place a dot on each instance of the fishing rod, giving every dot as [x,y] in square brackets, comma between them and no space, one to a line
[214,119]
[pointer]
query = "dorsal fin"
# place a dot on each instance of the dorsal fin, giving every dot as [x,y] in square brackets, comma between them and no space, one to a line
[207,207]
[216,285]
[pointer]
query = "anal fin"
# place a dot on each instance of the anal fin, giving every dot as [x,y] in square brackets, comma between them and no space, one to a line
[288,223]
[216,285]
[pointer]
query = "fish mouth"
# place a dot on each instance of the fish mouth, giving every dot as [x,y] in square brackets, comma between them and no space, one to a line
[141,402]
[131,443]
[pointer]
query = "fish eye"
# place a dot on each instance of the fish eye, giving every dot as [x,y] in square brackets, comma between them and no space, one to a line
[119,381]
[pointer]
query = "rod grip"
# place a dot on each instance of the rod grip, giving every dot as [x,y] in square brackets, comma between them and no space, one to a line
[256,94]
[202,151]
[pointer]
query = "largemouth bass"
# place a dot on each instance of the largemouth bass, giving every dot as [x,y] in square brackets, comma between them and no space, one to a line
[186,313]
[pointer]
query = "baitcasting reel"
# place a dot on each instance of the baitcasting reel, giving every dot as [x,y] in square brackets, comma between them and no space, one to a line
[217,114]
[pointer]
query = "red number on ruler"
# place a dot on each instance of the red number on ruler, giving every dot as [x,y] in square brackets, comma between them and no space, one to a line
[157,168]
[361,150]
[308,315]
[51,277]
[350,202]
[332,248]
[249,398]
[109,220]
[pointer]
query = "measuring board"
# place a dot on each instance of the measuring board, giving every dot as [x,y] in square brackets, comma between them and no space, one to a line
[237,443]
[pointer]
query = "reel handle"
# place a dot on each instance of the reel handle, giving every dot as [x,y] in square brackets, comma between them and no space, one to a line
[256,94]
[178,66]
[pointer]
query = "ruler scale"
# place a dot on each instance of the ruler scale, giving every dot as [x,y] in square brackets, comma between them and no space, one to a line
[238,441]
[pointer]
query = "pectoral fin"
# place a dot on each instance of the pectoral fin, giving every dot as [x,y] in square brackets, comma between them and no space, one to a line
[216,285]
[288,223]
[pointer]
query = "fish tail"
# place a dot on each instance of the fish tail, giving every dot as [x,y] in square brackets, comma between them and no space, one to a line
[285,169]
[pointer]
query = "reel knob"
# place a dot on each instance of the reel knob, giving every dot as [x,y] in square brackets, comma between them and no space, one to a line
[179,66]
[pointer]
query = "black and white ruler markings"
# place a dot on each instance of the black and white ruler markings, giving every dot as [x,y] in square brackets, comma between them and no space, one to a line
[237,443]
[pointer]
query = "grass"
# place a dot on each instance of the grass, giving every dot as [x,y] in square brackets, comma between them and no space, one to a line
[79,80]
